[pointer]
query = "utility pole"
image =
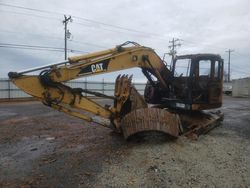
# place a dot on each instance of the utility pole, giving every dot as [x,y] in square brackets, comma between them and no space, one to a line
[173,46]
[229,58]
[67,34]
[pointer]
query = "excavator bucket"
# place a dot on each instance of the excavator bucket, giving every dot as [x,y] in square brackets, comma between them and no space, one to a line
[151,119]
[136,116]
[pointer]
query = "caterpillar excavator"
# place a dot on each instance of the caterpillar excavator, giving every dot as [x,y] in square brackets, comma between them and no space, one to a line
[177,100]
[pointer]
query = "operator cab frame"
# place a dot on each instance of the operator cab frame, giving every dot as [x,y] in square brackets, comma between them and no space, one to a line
[196,82]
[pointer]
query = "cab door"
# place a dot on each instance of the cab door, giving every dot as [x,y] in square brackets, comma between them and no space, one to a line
[215,85]
[209,81]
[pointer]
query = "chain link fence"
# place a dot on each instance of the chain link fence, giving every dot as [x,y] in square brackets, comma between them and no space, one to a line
[8,91]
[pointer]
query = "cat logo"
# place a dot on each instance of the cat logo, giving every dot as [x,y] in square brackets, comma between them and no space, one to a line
[97,68]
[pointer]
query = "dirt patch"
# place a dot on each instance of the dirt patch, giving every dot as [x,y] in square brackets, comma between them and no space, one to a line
[43,148]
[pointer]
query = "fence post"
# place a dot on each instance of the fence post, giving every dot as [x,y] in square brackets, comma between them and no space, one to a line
[86,86]
[103,86]
[8,88]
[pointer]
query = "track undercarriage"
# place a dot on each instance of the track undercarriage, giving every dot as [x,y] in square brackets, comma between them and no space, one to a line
[174,125]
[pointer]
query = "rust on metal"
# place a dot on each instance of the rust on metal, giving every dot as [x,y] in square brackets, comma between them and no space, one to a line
[150,119]
[197,123]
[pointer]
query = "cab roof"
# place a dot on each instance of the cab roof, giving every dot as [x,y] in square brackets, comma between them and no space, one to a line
[205,56]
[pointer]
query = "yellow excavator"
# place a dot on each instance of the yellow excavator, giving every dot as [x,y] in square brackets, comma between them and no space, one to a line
[177,99]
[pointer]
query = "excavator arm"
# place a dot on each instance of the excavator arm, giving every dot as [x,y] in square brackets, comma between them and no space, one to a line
[116,59]
[119,58]
[49,86]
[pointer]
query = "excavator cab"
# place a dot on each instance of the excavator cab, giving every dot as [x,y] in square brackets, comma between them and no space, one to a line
[196,82]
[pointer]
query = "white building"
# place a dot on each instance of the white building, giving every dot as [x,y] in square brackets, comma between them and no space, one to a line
[241,87]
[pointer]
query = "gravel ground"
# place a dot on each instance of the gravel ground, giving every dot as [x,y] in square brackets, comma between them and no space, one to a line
[40,147]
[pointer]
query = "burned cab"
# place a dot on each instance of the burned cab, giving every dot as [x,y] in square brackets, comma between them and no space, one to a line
[197,81]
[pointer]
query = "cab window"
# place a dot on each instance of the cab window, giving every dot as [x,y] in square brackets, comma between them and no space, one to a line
[205,68]
[182,67]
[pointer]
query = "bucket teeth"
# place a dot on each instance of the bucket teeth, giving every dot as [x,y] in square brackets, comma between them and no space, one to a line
[150,119]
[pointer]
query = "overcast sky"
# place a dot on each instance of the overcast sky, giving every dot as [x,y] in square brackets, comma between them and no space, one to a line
[203,26]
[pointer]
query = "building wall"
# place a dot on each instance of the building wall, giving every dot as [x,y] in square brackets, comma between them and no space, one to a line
[241,87]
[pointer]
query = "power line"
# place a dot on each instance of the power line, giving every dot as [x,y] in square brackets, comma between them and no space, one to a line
[54,37]
[141,33]
[122,30]
[28,14]
[29,48]
[32,9]
[26,33]
[86,19]
[32,46]
[115,26]
[36,47]
[87,43]
[243,56]
[240,70]
[245,68]
[115,31]
[204,44]
[81,24]
[156,36]
[41,49]
[236,70]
